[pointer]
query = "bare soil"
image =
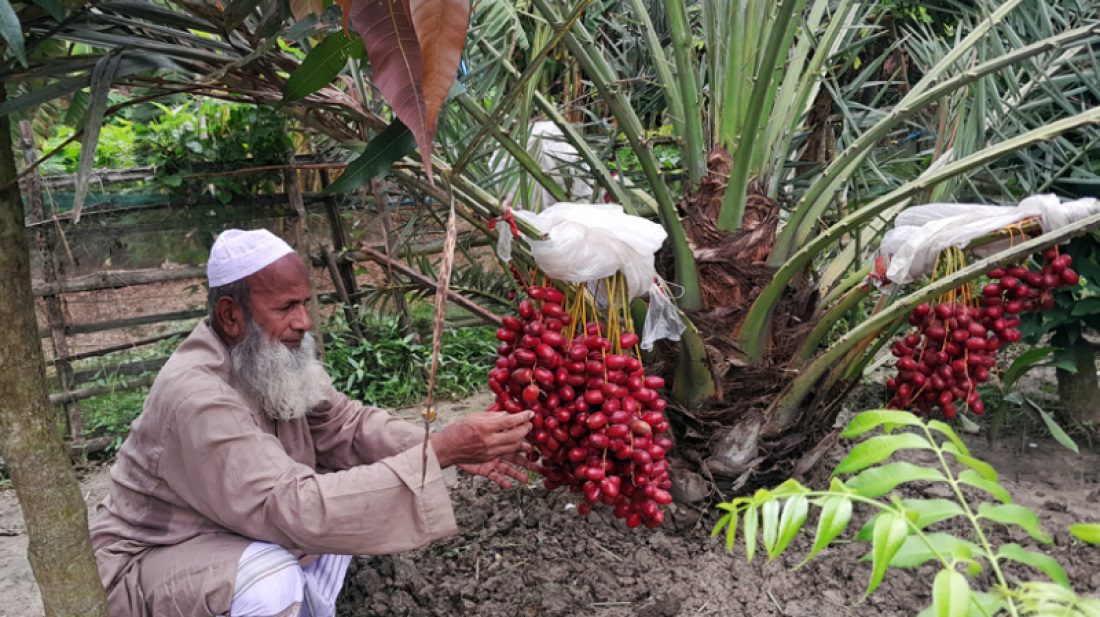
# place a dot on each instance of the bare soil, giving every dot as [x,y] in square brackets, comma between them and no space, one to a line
[526,552]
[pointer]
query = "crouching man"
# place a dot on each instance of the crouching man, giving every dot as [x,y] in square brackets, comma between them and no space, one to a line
[248,481]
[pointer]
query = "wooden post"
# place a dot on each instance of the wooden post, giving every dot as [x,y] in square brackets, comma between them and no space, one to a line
[55,311]
[303,241]
[382,208]
[340,240]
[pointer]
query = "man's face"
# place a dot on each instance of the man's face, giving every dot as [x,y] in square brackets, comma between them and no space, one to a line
[278,296]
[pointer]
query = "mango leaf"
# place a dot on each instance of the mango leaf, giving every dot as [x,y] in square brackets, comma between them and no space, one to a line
[1055,431]
[878,448]
[950,594]
[878,481]
[321,66]
[874,418]
[916,551]
[102,77]
[383,151]
[53,7]
[789,488]
[1086,532]
[440,27]
[1023,363]
[794,516]
[751,521]
[836,512]
[983,468]
[12,31]
[394,53]
[1012,514]
[1044,563]
[972,478]
[889,534]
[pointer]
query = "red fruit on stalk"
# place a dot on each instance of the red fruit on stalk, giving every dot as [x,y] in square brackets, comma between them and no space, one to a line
[1069,277]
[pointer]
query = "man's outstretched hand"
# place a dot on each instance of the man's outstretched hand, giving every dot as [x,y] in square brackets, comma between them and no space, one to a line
[503,470]
[482,438]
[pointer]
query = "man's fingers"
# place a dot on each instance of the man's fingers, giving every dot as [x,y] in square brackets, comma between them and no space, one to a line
[505,421]
[512,439]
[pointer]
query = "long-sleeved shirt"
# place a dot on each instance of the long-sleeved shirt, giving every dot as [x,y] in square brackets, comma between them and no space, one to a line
[205,471]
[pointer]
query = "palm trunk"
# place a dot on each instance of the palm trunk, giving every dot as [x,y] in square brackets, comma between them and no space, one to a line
[1078,391]
[59,548]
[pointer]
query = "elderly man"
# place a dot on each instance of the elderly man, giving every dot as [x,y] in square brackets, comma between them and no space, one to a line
[248,481]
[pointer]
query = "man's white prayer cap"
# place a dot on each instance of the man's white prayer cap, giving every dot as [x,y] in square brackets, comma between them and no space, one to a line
[237,254]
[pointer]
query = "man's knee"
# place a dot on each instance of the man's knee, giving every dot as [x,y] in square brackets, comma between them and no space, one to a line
[269,583]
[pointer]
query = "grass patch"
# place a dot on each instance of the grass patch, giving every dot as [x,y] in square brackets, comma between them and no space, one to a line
[389,368]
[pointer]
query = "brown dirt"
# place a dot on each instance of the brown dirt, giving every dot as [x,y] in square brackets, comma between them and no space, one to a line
[526,552]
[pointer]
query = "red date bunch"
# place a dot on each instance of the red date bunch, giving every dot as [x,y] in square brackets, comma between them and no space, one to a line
[599,425]
[952,346]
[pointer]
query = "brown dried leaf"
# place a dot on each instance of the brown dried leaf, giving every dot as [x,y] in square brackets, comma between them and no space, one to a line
[441,28]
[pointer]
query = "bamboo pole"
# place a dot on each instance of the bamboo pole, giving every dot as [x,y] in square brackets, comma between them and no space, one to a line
[116,280]
[121,347]
[55,311]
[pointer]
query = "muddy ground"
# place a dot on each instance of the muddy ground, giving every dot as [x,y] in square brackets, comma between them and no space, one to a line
[525,552]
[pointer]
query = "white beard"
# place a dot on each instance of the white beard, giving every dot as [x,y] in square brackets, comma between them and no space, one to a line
[287,383]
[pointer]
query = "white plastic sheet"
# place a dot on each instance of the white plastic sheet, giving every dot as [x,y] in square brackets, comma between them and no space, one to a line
[920,233]
[589,242]
[662,319]
[559,159]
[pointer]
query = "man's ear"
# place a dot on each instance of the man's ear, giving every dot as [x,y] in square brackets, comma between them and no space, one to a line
[229,319]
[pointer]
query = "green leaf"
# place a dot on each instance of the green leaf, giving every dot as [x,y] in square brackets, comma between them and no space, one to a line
[384,150]
[721,524]
[889,534]
[12,31]
[836,512]
[917,550]
[946,430]
[1086,532]
[1086,306]
[951,594]
[102,77]
[878,448]
[769,515]
[1023,363]
[321,66]
[731,531]
[794,516]
[1012,514]
[874,418]
[1044,563]
[983,468]
[932,511]
[751,522]
[1055,431]
[878,481]
[972,478]
[53,7]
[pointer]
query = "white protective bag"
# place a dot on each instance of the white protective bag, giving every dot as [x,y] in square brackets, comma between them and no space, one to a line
[921,233]
[587,242]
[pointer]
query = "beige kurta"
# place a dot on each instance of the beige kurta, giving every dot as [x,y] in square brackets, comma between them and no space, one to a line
[204,472]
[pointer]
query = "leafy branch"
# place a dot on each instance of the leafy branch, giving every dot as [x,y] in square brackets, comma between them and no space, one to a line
[900,534]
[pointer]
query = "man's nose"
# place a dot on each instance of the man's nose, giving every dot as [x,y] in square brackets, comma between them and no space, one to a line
[300,320]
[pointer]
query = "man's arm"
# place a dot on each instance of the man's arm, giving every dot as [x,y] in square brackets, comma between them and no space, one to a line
[228,469]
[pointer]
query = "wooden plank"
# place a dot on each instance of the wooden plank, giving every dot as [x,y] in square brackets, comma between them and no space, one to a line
[121,347]
[134,321]
[58,398]
[127,369]
[117,279]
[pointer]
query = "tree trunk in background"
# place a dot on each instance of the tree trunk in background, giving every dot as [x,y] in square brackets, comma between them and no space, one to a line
[1078,391]
[59,548]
